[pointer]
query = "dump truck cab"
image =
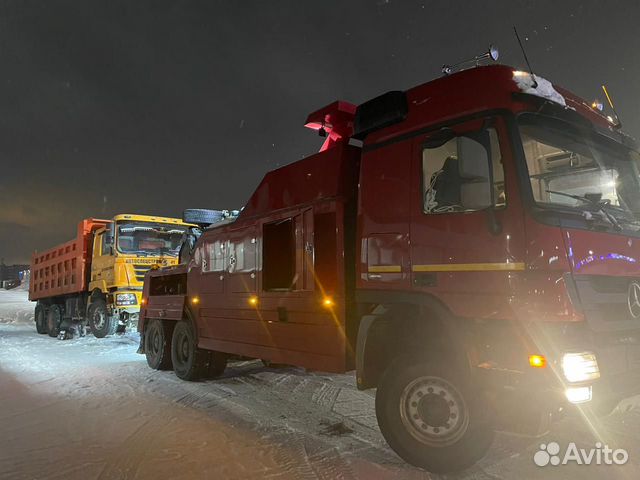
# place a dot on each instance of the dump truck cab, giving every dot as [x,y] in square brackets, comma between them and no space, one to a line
[123,251]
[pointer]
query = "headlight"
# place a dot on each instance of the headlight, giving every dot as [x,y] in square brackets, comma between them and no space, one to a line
[580,367]
[126,299]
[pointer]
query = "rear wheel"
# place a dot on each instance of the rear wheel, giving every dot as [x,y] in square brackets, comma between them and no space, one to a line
[189,362]
[54,318]
[101,323]
[41,319]
[431,416]
[157,345]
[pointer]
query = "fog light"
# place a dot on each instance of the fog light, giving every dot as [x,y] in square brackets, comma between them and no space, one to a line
[578,394]
[580,367]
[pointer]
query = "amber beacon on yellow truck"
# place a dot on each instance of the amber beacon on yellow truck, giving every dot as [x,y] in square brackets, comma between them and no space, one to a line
[96,279]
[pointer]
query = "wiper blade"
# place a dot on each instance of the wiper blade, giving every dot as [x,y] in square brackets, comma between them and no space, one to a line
[599,204]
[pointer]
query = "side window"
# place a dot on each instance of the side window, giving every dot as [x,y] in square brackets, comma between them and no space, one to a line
[279,255]
[463,173]
[213,260]
[104,248]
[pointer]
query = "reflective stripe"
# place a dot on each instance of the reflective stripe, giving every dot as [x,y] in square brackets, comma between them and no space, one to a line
[469,267]
[385,269]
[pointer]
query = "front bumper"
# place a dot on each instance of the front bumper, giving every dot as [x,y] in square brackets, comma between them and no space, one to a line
[127,314]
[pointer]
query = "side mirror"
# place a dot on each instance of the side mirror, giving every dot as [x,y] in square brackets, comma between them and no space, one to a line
[110,233]
[473,165]
[189,240]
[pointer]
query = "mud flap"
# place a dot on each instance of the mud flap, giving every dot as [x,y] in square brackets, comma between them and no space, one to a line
[141,346]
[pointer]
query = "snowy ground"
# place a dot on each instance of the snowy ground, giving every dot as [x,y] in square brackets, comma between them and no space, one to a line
[92,409]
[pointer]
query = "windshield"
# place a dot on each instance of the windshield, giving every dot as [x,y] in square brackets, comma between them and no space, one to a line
[145,238]
[569,167]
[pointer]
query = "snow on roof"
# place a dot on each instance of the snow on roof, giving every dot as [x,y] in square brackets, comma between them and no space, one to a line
[544,89]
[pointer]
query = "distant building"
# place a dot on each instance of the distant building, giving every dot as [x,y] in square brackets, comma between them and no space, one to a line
[12,272]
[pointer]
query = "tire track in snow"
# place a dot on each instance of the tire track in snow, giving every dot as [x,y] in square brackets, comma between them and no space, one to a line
[131,452]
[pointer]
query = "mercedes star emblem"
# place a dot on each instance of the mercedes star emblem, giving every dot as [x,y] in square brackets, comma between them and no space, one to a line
[633,299]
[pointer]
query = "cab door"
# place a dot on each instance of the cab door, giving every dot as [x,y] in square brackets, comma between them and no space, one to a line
[467,234]
[102,273]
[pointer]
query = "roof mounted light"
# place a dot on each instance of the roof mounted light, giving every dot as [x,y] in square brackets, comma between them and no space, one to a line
[491,54]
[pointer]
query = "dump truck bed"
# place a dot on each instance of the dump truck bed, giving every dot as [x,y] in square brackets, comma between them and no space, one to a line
[62,270]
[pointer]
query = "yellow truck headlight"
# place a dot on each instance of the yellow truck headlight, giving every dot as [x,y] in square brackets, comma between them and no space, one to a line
[126,299]
[580,367]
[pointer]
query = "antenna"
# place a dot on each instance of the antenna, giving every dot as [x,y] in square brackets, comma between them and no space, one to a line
[526,59]
[606,93]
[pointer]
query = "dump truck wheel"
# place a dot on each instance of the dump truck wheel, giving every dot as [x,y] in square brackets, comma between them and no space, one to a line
[157,345]
[41,319]
[101,323]
[54,318]
[431,416]
[200,216]
[189,362]
[217,364]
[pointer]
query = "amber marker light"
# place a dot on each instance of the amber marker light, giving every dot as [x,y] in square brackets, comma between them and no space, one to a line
[328,302]
[195,300]
[143,301]
[537,361]
[253,300]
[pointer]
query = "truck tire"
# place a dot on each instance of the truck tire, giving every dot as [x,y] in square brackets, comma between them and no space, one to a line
[189,362]
[54,318]
[101,323]
[200,216]
[157,345]
[431,416]
[41,319]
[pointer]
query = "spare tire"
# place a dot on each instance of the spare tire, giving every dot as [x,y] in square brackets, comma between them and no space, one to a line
[201,216]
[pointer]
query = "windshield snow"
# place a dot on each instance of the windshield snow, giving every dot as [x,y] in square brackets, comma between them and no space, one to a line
[571,168]
[149,238]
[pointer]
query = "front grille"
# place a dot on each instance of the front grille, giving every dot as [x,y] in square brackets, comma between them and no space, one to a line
[140,271]
[605,301]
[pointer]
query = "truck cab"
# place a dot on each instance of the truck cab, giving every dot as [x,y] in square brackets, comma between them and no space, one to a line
[469,246]
[123,251]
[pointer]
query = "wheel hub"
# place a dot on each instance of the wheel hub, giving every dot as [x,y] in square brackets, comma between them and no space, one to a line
[156,342]
[433,411]
[184,349]
[98,319]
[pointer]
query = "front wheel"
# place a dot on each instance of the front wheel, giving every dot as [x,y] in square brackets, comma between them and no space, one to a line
[431,416]
[101,323]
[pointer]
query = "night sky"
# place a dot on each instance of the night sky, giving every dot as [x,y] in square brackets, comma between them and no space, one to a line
[152,107]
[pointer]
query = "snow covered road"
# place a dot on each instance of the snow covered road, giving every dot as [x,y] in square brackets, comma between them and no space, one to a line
[92,409]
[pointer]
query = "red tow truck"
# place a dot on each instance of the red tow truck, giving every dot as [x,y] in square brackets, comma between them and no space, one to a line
[470,246]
